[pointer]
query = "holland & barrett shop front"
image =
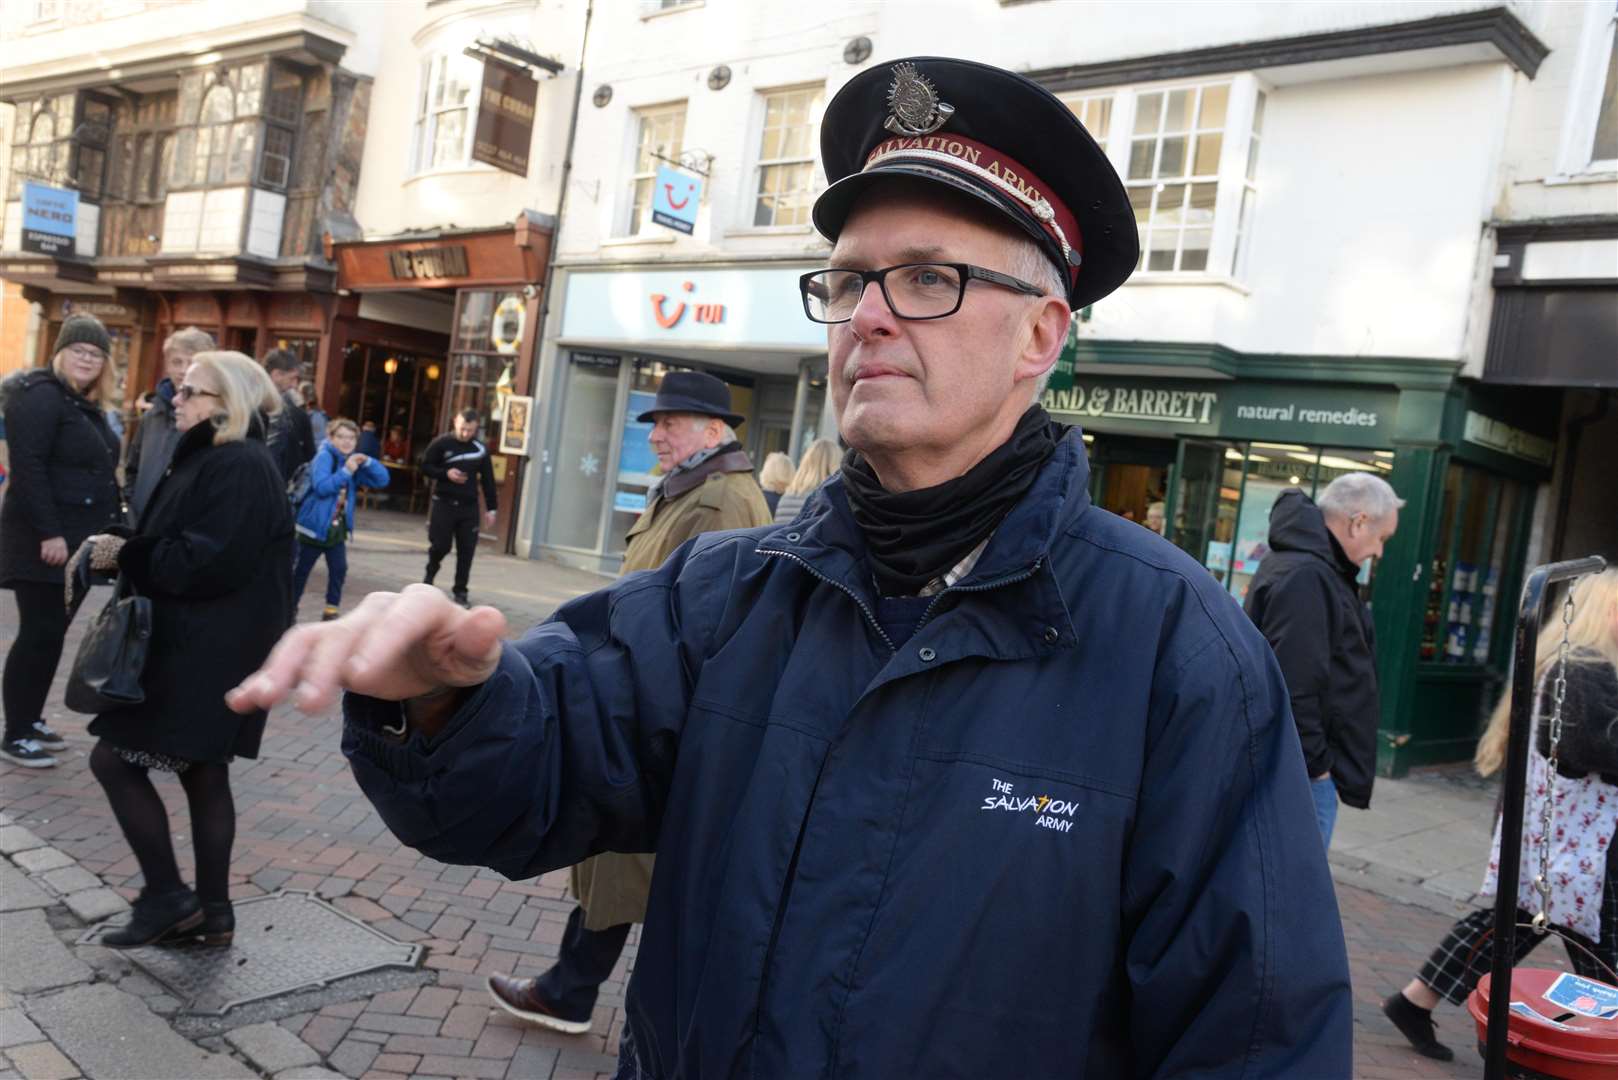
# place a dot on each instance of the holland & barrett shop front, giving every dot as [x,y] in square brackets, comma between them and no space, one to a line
[1198,445]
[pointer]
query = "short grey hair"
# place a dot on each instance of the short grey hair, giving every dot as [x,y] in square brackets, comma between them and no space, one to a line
[1027,260]
[699,421]
[1359,493]
[189,340]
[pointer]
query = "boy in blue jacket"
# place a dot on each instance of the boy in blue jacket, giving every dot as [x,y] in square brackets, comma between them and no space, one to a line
[326,514]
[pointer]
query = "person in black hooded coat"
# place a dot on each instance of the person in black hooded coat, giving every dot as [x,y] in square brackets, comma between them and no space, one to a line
[1306,601]
[64,486]
[213,552]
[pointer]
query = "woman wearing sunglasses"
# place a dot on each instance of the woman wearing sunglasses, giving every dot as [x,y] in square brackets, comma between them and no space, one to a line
[213,552]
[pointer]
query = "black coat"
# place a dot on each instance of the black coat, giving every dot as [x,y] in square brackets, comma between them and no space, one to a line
[291,440]
[214,554]
[150,450]
[64,473]
[1305,601]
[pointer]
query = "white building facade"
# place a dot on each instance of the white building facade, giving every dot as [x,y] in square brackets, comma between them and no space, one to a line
[1313,184]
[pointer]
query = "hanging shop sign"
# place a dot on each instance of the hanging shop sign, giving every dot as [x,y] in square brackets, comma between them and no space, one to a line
[1502,437]
[505,127]
[49,219]
[505,333]
[675,198]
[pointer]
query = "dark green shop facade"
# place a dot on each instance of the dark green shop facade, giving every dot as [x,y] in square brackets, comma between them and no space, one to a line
[1205,440]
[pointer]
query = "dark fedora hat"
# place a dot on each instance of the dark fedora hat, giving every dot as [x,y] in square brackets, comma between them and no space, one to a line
[992,135]
[693,392]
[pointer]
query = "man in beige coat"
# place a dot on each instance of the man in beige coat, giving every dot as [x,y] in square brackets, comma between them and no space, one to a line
[707,485]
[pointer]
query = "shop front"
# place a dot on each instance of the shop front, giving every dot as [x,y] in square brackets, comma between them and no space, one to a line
[620,332]
[431,325]
[1207,457]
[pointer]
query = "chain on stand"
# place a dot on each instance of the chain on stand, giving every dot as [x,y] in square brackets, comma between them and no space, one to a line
[1547,808]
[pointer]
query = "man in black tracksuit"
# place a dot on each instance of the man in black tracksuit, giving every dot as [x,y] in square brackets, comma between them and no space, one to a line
[457,463]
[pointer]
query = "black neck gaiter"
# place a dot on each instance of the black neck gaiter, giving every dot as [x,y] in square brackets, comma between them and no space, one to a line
[916,536]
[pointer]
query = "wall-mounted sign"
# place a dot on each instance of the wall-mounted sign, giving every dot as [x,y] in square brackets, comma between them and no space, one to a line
[105,310]
[754,308]
[1489,432]
[668,312]
[505,333]
[1138,402]
[675,197]
[49,219]
[518,426]
[433,262]
[505,127]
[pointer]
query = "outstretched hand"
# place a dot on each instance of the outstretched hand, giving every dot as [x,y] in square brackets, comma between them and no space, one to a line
[393,646]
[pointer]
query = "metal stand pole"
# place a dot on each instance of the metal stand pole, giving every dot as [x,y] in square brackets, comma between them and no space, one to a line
[1516,782]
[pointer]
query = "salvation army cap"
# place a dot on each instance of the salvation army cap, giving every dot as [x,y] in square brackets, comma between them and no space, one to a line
[995,136]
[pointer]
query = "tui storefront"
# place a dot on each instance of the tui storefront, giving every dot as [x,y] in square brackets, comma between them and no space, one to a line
[1199,443]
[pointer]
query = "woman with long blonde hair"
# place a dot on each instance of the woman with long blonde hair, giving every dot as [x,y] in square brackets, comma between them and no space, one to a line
[213,553]
[1583,904]
[820,461]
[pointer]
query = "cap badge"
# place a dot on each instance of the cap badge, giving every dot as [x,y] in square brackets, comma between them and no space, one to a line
[913,105]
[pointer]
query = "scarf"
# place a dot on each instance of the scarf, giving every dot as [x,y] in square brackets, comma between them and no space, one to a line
[687,465]
[914,537]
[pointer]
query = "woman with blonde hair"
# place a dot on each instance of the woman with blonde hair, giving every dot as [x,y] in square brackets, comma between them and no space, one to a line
[63,487]
[1583,904]
[213,553]
[820,461]
[774,478]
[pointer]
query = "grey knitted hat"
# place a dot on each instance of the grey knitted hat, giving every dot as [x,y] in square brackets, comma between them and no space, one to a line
[83,329]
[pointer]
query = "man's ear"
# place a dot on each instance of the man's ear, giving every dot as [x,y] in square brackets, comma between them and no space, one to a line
[1046,336]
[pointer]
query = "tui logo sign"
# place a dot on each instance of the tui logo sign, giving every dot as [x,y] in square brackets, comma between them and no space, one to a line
[668,315]
[675,199]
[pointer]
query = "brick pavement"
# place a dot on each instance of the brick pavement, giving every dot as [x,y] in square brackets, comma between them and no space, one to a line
[302,824]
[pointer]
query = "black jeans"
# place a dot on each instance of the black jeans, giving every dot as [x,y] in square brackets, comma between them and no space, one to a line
[586,958]
[31,664]
[455,523]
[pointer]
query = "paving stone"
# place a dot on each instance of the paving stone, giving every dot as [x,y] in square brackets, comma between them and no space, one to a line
[325,1032]
[39,860]
[42,1061]
[353,1057]
[112,1034]
[93,905]
[309,1072]
[464,1067]
[271,1047]
[531,1062]
[16,1029]
[33,959]
[70,879]
[15,838]
[17,893]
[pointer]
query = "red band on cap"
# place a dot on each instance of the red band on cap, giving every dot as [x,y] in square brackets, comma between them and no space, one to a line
[995,171]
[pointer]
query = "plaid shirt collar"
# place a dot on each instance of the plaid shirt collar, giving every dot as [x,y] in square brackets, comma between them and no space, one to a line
[956,572]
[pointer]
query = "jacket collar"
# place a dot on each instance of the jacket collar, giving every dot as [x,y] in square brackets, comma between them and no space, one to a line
[826,539]
[730,461]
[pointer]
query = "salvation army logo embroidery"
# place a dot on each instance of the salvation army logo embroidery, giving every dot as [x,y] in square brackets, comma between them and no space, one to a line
[1048,812]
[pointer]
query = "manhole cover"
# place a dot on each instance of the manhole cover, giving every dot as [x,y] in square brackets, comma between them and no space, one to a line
[284,942]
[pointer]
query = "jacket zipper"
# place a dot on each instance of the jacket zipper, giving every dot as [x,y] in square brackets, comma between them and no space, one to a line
[870,616]
[792,864]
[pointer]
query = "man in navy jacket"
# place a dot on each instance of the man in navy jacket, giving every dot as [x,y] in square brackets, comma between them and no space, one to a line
[954,775]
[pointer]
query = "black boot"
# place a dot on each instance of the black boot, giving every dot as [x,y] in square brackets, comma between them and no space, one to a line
[1416,1024]
[218,923]
[155,917]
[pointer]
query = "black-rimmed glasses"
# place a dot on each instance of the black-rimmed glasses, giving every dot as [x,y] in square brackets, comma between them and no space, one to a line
[186,392]
[913,290]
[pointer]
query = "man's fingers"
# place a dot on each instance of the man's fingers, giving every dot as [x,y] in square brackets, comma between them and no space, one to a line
[477,642]
[270,684]
[413,618]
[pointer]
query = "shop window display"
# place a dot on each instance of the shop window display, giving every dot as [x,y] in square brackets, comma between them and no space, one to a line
[1468,564]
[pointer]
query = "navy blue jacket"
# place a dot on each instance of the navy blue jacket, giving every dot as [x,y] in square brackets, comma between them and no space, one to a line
[1063,831]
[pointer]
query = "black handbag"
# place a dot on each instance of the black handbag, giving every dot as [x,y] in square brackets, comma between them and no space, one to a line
[107,671]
